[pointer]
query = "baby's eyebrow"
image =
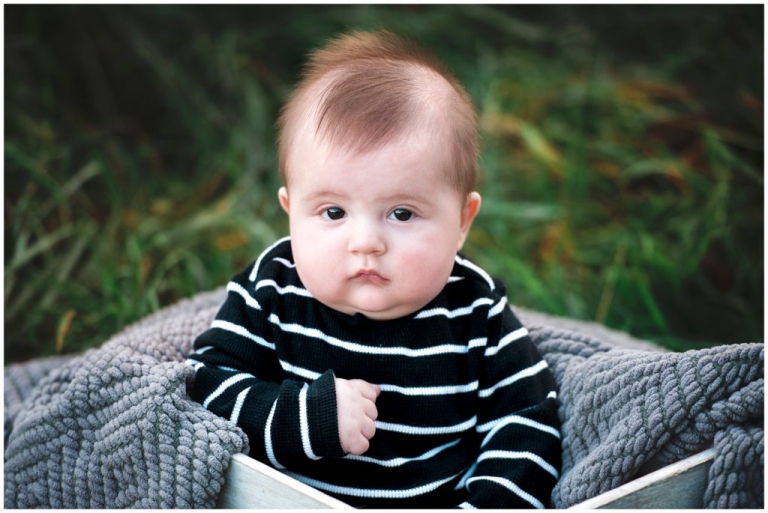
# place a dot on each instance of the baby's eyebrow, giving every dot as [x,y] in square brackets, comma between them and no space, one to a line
[397,197]
[407,197]
[325,193]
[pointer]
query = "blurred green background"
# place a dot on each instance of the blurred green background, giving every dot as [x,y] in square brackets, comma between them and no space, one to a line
[622,163]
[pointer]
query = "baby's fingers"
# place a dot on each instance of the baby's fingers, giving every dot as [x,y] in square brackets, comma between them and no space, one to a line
[359,444]
[358,447]
[370,410]
[368,428]
[367,390]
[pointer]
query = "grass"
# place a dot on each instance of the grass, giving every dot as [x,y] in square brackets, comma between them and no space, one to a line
[622,168]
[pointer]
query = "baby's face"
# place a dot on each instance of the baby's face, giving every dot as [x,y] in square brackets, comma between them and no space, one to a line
[375,233]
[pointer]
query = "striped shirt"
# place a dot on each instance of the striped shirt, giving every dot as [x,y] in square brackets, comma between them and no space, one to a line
[467,415]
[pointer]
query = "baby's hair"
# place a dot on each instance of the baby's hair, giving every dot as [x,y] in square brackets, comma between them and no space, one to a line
[366,89]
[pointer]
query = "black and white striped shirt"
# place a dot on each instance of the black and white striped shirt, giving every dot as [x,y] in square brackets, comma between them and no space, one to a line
[467,415]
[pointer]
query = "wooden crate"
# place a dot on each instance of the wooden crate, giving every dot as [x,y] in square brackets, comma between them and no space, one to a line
[251,484]
[680,485]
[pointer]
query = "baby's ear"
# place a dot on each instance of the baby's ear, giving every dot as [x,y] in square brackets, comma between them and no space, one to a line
[468,214]
[282,196]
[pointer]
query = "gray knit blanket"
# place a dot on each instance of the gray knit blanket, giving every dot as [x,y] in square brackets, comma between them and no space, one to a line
[114,427]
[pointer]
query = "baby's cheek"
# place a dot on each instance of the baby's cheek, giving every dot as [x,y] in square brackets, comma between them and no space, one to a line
[426,268]
[412,259]
[417,260]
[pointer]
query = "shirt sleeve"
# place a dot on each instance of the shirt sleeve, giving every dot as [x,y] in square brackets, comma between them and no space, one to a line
[519,458]
[238,376]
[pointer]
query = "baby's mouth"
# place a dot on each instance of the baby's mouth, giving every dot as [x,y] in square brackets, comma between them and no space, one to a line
[370,275]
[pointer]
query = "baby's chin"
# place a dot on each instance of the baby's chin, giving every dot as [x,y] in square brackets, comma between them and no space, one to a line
[376,312]
[375,302]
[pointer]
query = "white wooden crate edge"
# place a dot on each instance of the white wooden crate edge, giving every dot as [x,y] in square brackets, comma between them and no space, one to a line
[676,486]
[251,484]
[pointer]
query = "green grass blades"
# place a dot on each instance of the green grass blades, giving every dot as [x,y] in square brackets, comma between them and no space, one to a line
[622,175]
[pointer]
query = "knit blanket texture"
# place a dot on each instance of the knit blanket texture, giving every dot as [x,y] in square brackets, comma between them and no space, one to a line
[114,426]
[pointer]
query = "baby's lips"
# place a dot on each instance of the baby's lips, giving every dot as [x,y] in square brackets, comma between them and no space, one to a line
[371,275]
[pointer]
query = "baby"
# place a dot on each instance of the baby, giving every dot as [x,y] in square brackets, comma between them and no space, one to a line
[363,355]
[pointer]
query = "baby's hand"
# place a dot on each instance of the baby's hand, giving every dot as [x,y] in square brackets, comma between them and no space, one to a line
[356,411]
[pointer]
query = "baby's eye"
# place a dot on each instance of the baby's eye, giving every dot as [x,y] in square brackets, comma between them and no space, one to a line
[402,214]
[334,213]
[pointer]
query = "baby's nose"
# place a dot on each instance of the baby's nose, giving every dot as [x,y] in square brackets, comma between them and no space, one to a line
[366,239]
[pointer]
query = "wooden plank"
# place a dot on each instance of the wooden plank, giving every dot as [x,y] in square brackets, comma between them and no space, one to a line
[252,484]
[680,485]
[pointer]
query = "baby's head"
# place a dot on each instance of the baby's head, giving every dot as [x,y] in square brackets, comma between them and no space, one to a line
[364,90]
[378,156]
